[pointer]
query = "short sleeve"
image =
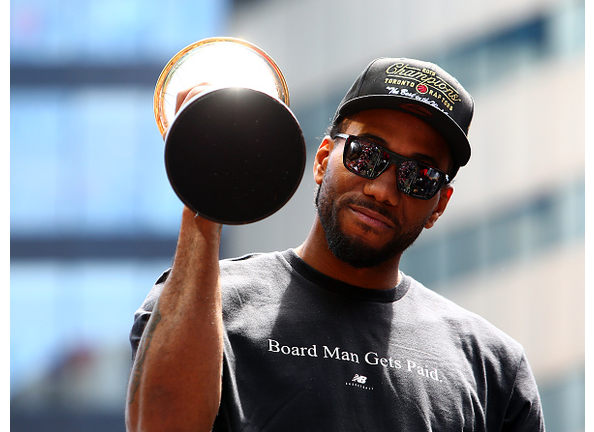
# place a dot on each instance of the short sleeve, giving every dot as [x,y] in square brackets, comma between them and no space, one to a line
[143,314]
[524,410]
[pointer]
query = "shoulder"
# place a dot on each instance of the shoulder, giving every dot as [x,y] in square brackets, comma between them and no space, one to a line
[254,278]
[475,333]
[260,268]
[253,262]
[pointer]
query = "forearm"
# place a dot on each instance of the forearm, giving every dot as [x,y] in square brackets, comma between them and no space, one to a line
[176,377]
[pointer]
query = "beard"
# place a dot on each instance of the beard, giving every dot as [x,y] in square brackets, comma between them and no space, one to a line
[351,250]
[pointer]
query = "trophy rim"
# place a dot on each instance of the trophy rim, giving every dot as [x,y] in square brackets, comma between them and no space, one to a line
[158,93]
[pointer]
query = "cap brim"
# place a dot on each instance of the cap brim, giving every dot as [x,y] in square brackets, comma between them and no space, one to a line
[440,121]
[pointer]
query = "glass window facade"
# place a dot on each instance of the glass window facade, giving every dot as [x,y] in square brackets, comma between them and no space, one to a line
[89,194]
[525,232]
[110,31]
[90,160]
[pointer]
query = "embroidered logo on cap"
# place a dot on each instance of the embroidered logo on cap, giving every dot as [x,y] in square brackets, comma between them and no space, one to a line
[425,81]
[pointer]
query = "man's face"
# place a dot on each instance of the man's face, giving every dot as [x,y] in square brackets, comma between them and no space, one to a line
[369,222]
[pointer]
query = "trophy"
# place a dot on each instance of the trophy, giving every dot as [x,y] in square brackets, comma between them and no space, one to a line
[235,153]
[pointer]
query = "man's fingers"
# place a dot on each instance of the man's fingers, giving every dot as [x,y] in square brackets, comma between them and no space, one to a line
[185,95]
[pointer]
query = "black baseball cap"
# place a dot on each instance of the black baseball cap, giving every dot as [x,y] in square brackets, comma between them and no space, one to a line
[419,88]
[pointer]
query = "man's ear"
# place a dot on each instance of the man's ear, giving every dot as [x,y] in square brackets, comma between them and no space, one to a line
[444,198]
[321,159]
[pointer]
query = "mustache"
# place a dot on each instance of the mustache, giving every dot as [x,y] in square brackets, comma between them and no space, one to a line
[373,206]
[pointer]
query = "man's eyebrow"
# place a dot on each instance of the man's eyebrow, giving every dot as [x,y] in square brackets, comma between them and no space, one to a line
[421,157]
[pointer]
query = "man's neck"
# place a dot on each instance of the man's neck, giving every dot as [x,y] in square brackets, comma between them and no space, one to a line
[315,252]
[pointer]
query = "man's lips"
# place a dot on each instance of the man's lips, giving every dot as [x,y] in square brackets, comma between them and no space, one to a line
[372,217]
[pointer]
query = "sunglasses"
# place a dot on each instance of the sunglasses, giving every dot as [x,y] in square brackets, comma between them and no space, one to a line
[368,160]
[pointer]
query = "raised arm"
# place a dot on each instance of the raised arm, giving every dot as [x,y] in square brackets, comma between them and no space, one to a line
[175,382]
[176,377]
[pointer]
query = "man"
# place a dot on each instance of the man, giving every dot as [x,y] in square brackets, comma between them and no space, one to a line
[331,335]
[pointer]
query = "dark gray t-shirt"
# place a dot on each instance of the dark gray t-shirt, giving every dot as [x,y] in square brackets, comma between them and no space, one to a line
[305,352]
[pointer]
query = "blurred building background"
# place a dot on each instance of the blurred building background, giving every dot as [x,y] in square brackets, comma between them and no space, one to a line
[94,220]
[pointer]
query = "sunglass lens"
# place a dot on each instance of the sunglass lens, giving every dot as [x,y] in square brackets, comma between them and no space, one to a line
[418,181]
[363,158]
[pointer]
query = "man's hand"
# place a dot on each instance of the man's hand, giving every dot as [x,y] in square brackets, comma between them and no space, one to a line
[184,96]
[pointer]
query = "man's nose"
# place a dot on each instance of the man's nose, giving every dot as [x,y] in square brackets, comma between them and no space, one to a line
[384,189]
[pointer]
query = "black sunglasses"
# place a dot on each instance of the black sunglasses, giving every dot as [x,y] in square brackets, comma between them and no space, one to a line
[368,159]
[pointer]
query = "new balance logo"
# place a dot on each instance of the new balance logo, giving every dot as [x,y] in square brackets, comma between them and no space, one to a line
[361,379]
